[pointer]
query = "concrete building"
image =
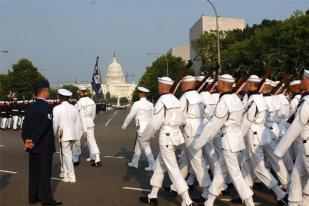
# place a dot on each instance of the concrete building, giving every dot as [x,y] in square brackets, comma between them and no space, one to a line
[182,51]
[208,24]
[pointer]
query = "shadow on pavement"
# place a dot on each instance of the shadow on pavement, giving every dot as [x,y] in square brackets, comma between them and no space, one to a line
[5,180]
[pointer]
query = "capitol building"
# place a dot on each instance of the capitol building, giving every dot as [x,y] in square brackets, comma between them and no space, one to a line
[116,83]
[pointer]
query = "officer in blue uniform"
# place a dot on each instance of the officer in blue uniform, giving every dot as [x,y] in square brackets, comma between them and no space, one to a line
[39,141]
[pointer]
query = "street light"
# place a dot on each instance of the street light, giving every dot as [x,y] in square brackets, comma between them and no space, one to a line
[218,39]
[161,54]
[4,51]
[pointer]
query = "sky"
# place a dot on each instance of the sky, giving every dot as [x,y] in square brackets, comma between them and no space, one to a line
[63,37]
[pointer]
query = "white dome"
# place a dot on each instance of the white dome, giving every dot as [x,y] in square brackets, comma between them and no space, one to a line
[114,73]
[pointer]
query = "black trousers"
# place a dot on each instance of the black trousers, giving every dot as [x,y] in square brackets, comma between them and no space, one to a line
[40,167]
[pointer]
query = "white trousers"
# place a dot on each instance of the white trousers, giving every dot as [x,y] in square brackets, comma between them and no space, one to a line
[210,155]
[276,163]
[15,122]
[196,161]
[258,166]
[92,145]
[297,188]
[3,124]
[67,167]
[145,147]
[166,161]
[228,164]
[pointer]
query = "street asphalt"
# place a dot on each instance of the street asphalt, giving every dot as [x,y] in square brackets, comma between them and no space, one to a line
[114,184]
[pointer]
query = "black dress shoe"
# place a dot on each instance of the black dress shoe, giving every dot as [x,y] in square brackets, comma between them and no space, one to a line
[170,191]
[149,201]
[200,199]
[52,202]
[225,192]
[97,164]
[33,202]
[76,164]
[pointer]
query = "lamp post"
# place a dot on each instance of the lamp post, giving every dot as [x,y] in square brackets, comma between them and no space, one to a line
[218,39]
[161,54]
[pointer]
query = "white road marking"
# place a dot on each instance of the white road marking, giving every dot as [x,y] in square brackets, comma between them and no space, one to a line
[56,178]
[229,199]
[1,145]
[117,157]
[137,189]
[110,118]
[7,171]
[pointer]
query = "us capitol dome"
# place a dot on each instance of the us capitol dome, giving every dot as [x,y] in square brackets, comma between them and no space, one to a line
[116,83]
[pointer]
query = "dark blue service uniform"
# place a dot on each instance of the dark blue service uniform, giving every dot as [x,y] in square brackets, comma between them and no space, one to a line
[38,127]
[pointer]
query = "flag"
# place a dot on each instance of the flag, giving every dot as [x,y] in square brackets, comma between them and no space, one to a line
[96,80]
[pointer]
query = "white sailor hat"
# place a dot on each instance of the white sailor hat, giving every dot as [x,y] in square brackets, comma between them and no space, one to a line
[64,92]
[200,78]
[275,83]
[226,78]
[268,82]
[165,80]
[188,78]
[143,89]
[82,88]
[209,80]
[295,82]
[254,78]
[306,73]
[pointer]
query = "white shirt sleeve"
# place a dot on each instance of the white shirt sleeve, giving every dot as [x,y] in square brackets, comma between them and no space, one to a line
[130,116]
[56,120]
[212,127]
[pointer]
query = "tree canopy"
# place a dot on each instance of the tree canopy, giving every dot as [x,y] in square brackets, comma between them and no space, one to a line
[158,69]
[280,45]
[20,79]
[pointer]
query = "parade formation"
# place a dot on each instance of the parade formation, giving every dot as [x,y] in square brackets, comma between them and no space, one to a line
[222,132]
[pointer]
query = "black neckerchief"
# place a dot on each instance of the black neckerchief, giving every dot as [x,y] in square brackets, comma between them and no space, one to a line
[304,94]
[83,96]
[267,95]
[224,93]
[294,95]
[252,93]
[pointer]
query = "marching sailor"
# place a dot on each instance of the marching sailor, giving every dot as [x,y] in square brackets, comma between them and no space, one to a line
[296,91]
[142,111]
[298,192]
[87,110]
[227,115]
[166,118]
[65,124]
[257,136]
[273,108]
[192,110]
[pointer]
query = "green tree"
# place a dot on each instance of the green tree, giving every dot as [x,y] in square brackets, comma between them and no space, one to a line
[158,69]
[21,78]
[53,93]
[123,100]
[3,86]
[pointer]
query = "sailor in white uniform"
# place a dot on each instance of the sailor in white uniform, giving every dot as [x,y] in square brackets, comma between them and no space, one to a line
[87,110]
[227,116]
[142,111]
[298,192]
[66,124]
[258,136]
[296,91]
[167,118]
[192,110]
[273,108]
